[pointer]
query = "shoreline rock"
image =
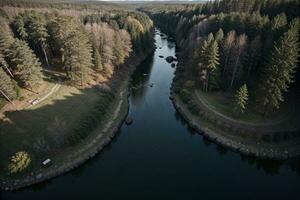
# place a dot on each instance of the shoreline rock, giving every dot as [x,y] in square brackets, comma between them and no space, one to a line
[259,150]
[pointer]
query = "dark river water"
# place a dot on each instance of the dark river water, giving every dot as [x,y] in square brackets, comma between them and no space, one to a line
[160,157]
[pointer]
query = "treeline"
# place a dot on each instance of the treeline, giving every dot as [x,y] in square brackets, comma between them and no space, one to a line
[80,46]
[239,45]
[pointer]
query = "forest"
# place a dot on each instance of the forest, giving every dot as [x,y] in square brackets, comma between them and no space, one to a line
[55,57]
[83,45]
[250,46]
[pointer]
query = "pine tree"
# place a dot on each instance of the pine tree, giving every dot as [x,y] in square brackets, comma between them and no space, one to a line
[210,63]
[253,55]
[97,59]
[4,64]
[118,50]
[278,25]
[39,35]
[61,28]
[78,57]
[239,53]
[241,99]
[19,25]
[26,67]
[227,51]
[280,69]
[219,35]
[7,89]
[5,41]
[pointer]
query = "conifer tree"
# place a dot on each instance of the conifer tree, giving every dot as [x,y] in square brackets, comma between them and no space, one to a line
[7,89]
[241,99]
[4,64]
[280,69]
[78,57]
[26,67]
[239,53]
[253,55]
[97,59]
[219,35]
[39,35]
[210,63]
[227,51]
[118,50]
[19,25]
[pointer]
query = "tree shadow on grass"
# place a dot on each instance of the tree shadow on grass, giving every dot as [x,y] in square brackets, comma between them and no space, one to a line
[53,121]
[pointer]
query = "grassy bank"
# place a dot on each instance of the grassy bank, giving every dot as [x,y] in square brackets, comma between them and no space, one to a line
[275,137]
[69,127]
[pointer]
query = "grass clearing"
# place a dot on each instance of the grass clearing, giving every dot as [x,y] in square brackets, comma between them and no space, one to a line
[224,104]
[39,127]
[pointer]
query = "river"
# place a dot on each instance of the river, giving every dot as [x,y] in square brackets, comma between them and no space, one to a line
[160,157]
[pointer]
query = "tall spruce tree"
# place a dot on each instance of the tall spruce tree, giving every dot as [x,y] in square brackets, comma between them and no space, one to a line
[7,88]
[38,34]
[219,35]
[210,63]
[78,57]
[280,70]
[25,65]
[19,25]
[241,100]
[97,59]
[118,50]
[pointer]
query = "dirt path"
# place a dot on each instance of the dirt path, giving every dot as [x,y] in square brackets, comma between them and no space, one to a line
[20,105]
[263,126]
[53,90]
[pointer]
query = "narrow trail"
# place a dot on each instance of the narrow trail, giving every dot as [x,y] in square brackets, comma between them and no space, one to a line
[55,88]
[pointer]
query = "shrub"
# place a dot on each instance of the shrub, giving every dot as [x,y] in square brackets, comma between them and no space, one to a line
[19,162]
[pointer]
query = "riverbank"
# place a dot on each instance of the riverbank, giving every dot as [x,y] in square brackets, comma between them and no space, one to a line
[248,147]
[72,157]
[273,139]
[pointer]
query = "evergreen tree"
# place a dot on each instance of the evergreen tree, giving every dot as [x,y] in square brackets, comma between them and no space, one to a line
[19,25]
[253,55]
[78,57]
[278,25]
[61,28]
[118,50]
[210,64]
[5,41]
[4,64]
[241,99]
[97,59]
[280,69]
[219,35]
[239,53]
[38,34]
[26,67]
[227,51]
[7,89]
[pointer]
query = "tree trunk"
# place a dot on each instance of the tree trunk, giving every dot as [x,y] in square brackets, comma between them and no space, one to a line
[6,97]
[45,55]
[225,66]
[8,71]
[235,70]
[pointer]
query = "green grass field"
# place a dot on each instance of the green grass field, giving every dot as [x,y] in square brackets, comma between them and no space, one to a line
[43,129]
[224,104]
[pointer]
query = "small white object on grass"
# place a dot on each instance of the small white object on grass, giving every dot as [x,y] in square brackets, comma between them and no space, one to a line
[46,162]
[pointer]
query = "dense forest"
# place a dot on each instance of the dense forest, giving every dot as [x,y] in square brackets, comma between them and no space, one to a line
[64,72]
[84,44]
[239,45]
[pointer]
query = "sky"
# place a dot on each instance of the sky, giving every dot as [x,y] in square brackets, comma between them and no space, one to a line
[150,0]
